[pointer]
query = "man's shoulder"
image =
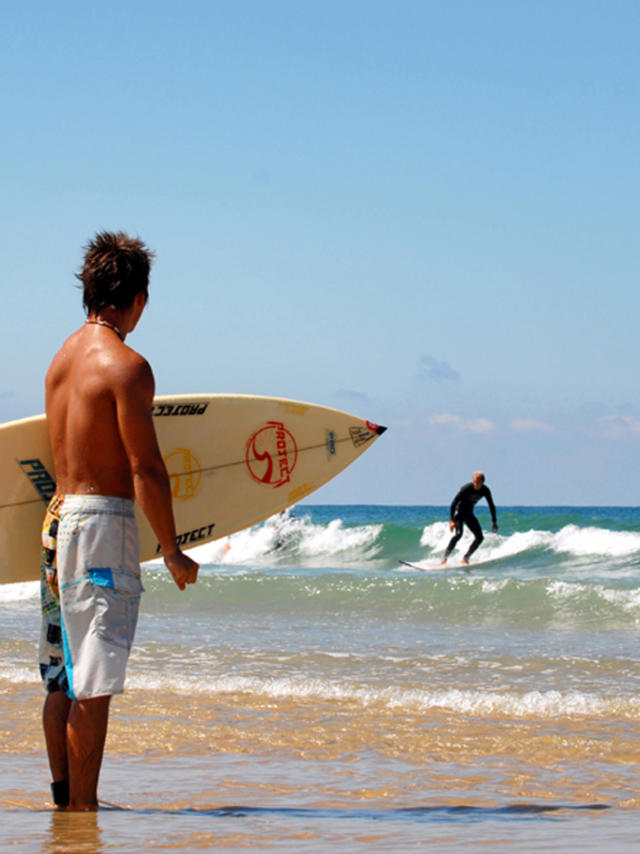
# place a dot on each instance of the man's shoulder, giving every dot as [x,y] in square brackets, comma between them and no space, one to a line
[132,358]
[463,492]
[131,367]
[64,360]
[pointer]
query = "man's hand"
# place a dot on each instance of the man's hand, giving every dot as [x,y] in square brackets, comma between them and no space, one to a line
[452,525]
[183,569]
[495,529]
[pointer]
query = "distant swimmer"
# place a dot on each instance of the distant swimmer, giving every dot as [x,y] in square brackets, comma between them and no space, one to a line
[462,514]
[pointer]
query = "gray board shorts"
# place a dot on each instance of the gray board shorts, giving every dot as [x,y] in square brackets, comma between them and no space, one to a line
[90,594]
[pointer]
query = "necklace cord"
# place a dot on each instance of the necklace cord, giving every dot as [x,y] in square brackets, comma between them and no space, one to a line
[99,322]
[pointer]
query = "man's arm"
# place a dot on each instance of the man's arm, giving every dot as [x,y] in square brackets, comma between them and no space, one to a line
[492,507]
[455,506]
[134,398]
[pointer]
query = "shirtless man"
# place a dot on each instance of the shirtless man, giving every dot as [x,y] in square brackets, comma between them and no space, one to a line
[99,394]
[462,514]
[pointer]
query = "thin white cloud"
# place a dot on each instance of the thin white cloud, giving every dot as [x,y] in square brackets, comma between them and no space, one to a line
[619,426]
[530,425]
[462,425]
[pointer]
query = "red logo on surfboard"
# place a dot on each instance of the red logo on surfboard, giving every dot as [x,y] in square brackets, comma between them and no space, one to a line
[272,454]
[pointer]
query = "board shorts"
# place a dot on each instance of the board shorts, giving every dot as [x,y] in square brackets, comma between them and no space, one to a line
[90,594]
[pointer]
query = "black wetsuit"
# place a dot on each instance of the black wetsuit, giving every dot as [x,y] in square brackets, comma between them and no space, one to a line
[462,514]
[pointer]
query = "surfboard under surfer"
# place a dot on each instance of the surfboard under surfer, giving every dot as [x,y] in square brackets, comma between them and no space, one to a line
[99,395]
[462,514]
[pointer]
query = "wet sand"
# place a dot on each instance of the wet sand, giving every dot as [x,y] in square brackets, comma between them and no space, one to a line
[238,772]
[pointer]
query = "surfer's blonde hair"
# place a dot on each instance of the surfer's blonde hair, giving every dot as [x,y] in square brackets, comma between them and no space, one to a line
[478,475]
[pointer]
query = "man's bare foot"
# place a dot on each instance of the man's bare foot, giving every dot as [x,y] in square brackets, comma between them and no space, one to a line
[465,561]
[443,561]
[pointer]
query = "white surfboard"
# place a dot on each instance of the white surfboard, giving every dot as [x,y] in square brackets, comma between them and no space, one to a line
[233,460]
[433,566]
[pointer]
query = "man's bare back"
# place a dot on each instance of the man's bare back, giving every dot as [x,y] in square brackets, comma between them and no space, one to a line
[90,377]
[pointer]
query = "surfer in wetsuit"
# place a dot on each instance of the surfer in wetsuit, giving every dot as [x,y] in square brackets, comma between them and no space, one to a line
[462,514]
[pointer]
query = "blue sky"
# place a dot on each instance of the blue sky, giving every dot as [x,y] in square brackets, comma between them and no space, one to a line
[424,213]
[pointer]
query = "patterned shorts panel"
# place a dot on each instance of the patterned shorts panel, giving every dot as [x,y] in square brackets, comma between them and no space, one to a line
[52,669]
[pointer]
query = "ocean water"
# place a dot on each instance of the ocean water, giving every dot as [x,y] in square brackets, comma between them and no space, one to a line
[313,691]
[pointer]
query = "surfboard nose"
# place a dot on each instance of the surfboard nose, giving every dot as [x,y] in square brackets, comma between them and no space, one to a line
[376,428]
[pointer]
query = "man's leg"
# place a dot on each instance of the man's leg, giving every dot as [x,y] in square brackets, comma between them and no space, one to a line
[54,722]
[452,542]
[476,530]
[86,735]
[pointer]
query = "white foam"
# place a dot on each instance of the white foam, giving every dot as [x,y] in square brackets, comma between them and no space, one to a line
[336,539]
[572,540]
[436,536]
[538,704]
[564,590]
[628,600]
[15,675]
[284,534]
[494,586]
[19,592]
[494,547]
[596,541]
[498,547]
